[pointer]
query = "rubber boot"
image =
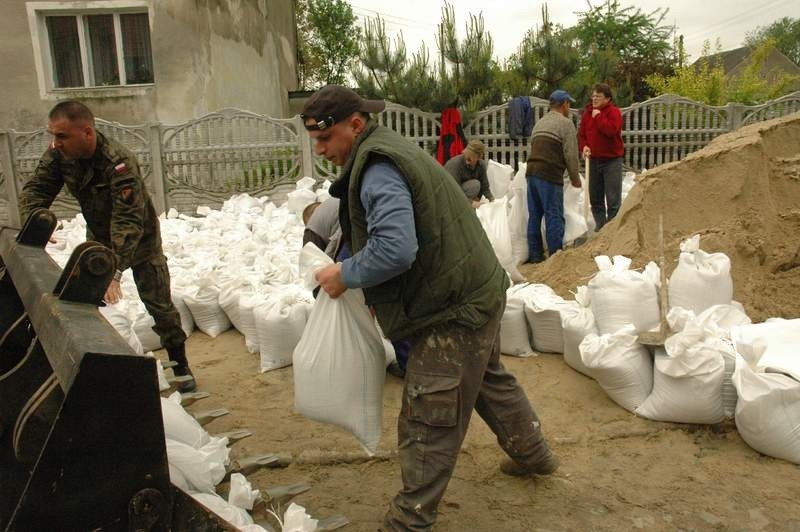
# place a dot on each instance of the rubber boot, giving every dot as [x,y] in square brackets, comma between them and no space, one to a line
[178,354]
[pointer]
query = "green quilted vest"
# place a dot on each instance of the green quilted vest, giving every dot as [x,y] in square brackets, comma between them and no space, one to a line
[456,275]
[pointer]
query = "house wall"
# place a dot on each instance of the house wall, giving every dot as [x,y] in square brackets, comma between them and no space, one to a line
[207,55]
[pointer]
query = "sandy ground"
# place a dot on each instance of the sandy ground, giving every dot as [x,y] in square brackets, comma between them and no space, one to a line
[618,472]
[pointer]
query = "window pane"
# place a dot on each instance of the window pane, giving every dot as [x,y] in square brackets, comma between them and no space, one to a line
[136,48]
[65,49]
[102,49]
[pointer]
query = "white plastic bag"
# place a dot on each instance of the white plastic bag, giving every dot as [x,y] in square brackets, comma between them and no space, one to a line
[339,365]
[242,493]
[199,469]
[494,219]
[231,513]
[499,176]
[687,381]
[518,216]
[620,296]
[577,324]
[770,346]
[280,321]
[768,411]
[514,334]
[574,222]
[622,367]
[179,425]
[701,279]
[543,312]
[204,304]
[295,519]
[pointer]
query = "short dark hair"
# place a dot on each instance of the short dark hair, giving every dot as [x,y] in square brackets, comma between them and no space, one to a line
[604,89]
[72,110]
[309,211]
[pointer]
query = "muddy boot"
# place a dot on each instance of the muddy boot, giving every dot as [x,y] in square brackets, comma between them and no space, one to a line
[546,465]
[178,355]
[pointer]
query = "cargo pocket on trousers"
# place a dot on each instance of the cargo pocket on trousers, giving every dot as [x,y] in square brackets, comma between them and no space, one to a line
[433,399]
[433,410]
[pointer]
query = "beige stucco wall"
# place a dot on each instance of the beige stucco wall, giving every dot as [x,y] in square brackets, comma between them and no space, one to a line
[207,54]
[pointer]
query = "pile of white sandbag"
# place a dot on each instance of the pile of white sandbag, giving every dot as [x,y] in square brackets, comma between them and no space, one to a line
[236,266]
[197,463]
[716,365]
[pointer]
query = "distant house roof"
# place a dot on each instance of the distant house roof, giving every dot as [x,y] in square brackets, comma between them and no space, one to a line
[733,60]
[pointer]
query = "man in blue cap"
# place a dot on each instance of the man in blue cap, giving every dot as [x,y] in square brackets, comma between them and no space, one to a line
[554,148]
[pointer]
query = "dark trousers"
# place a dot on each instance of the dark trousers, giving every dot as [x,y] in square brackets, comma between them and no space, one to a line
[152,283]
[453,369]
[545,200]
[605,189]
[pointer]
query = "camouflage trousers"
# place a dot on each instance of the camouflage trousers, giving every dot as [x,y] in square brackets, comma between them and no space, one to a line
[152,283]
[451,371]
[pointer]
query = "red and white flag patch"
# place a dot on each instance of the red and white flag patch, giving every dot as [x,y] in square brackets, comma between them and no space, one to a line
[121,168]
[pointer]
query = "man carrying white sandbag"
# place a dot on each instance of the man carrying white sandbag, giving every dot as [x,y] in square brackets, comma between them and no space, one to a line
[431,275]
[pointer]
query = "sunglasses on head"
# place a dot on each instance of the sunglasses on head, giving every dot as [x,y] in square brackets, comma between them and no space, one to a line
[319,125]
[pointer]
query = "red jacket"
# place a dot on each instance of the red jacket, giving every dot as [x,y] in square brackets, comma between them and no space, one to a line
[603,134]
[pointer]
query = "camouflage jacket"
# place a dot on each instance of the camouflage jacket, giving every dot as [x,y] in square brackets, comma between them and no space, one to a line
[111,194]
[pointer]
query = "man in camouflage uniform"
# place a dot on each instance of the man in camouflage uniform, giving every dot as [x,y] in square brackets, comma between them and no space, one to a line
[104,177]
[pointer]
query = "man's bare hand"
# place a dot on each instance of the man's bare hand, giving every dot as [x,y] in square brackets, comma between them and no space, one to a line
[576,183]
[475,204]
[330,279]
[113,293]
[587,152]
[595,112]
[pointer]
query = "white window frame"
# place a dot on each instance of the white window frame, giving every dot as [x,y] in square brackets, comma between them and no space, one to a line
[38,11]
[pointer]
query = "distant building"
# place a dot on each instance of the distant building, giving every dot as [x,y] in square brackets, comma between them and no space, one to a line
[733,63]
[137,61]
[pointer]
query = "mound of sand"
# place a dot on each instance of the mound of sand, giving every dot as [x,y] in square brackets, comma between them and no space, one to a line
[741,193]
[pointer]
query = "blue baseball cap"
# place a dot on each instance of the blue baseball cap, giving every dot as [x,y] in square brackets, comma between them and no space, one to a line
[560,96]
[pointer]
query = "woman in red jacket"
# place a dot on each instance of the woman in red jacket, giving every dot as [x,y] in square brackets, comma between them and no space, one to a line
[600,141]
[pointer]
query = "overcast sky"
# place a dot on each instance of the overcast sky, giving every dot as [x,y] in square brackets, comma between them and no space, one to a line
[508,20]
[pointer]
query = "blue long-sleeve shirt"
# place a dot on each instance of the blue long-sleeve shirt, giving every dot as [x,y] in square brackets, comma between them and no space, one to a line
[392,237]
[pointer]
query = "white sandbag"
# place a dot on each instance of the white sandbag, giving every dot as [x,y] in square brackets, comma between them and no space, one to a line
[208,315]
[298,200]
[701,279]
[622,367]
[620,296]
[187,321]
[514,333]
[575,225]
[494,219]
[143,326]
[768,411]
[339,365]
[389,351]
[518,215]
[201,469]
[499,176]
[543,313]
[163,385]
[231,513]
[712,330]
[577,324]
[242,493]
[687,381]
[179,425]
[772,346]
[229,294]
[280,321]
[247,304]
[295,519]
[117,316]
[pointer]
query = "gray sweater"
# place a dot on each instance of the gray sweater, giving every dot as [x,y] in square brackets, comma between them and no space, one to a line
[554,148]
